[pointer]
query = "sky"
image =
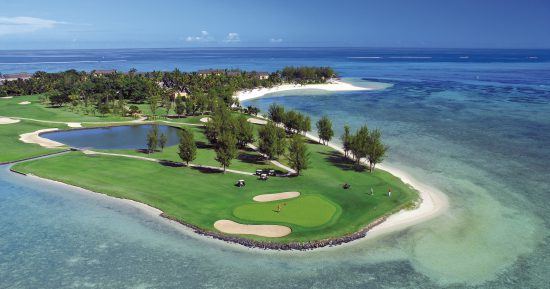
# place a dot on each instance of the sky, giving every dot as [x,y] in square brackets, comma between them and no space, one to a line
[54,24]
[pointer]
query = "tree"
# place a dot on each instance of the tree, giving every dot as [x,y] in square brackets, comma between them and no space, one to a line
[226,148]
[57,98]
[272,140]
[298,156]
[324,129]
[377,150]
[162,141]
[292,120]
[167,100]
[244,131]
[103,108]
[153,104]
[305,124]
[180,106]
[187,147]
[346,139]
[276,113]
[359,145]
[152,139]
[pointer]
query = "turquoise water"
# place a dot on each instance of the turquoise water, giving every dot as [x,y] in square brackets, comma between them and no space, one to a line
[478,130]
[115,137]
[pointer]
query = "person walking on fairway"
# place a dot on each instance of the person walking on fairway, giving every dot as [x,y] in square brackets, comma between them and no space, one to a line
[389,192]
[371,191]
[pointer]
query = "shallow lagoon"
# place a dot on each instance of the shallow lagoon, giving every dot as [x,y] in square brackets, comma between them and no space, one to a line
[476,129]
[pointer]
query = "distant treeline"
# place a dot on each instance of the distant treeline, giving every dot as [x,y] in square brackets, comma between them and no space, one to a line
[101,87]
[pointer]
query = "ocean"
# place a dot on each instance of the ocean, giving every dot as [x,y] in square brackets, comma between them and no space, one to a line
[473,123]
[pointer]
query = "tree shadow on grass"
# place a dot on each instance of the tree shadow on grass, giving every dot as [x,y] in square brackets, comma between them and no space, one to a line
[342,162]
[251,158]
[172,164]
[204,145]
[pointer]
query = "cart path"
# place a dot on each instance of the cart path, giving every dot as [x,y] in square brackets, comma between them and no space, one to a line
[91,152]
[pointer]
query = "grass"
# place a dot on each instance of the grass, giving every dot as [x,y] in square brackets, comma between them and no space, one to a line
[203,197]
[36,110]
[13,149]
[306,211]
[247,160]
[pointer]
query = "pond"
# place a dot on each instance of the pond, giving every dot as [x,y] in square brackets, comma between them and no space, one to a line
[114,137]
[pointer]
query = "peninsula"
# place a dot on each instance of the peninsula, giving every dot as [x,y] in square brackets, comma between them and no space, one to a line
[182,143]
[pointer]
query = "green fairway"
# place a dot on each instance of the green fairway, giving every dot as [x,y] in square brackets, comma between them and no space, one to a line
[13,149]
[247,159]
[305,211]
[35,110]
[201,198]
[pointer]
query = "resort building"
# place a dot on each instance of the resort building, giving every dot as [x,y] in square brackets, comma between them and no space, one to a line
[205,72]
[100,72]
[262,75]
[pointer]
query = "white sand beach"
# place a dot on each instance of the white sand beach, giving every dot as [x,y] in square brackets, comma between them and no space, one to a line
[35,138]
[333,85]
[433,202]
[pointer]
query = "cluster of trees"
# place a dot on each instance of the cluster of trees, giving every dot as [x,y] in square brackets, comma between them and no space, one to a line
[293,121]
[307,75]
[228,132]
[113,93]
[155,139]
[363,144]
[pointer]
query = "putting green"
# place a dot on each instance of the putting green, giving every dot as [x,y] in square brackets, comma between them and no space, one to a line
[306,211]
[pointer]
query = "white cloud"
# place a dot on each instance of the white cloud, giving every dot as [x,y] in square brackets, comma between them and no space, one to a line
[23,24]
[232,37]
[203,37]
[276,40]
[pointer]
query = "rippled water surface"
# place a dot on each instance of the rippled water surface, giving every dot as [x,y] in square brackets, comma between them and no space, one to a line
[477,129]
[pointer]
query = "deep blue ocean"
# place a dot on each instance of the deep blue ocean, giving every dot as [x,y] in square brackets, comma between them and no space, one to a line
[473,123]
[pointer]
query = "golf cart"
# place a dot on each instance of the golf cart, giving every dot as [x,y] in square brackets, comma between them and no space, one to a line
[240,183]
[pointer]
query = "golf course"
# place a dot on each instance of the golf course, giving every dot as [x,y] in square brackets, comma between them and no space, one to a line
[252,198]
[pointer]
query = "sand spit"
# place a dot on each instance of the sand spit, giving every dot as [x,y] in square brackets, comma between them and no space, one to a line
[35,138]
[333,85]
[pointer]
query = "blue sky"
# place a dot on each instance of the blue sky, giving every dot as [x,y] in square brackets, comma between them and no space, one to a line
[39,24]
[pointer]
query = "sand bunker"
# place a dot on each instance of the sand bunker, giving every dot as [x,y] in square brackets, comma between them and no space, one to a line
[74,124]
[7,120]
[25,102]
[34,137]
[6,97]
[257,121]
[204,119]
[270,231]
[276,197]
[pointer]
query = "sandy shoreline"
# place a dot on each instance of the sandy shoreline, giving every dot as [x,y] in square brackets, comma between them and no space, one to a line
[433,202]
[333,85]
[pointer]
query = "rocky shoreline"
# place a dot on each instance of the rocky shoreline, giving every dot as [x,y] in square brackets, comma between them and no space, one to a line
[264,245]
